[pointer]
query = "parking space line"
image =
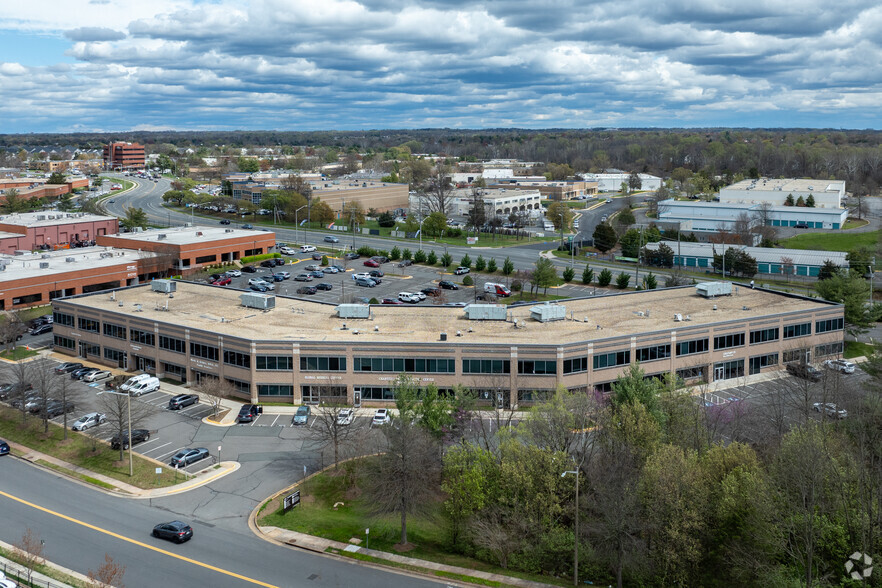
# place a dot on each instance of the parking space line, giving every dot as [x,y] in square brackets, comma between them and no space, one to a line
[169,454]
[275,419]
[153,440]
[155,448]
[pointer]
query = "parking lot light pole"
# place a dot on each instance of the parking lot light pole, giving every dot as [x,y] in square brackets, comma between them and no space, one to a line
[576,538]
[421,232]
[296,224]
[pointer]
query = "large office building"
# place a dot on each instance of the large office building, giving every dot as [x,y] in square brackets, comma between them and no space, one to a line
[122,156]
[826,193]
[52,229]
[276,348]
[497,202]
[710,217]
[612,182]
[381,196]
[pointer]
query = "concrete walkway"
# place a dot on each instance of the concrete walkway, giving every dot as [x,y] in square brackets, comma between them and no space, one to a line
[38,579]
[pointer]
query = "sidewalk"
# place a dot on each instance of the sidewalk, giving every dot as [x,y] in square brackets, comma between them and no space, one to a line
[37,579]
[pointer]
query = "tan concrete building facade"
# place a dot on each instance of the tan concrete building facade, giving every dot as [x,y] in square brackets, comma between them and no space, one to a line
[301,351]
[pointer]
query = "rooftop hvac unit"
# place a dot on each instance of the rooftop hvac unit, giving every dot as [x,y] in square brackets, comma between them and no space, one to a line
[161,236]
[106,254]
[710,289]
[228,230]
[45,256]
[347,311]
[545,313]
[165,286]
[41,217]
[256,300]
[485,312]
[70,259]
[44,265]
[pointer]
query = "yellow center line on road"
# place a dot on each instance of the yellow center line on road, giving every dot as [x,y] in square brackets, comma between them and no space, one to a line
[138,543]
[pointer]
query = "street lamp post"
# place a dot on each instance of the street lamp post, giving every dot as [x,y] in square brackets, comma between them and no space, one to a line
[576,542]
[421,232]
[297,224]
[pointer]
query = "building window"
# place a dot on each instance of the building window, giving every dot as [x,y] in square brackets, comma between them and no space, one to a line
[828,349]
[320,393]
[172,344]
[759,362]
[692,347]
[800,330]
[608,360]
[91,349]
[398,365]
[84,324]
[322,364]
[727,370]
[796,355]
[376,393]
[178,371]
[237,359]
[203,351]
[653,352]
[115,331]
[114,354]
[240,387]
[276,363]
[697,372]
[763,335]
[29,299]
[829,325]
[275,389]
[727,341]
[528,396]
[206,259]
[575,365]
[537,367]
[60,318]
[65,342]
[143,337]
[486,366]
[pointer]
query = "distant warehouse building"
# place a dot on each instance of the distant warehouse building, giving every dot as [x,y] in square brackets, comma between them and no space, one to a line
[825,193]
[613,182]
[712,216]
[277,348]
[772,261]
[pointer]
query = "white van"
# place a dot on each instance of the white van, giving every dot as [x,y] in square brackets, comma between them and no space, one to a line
[151,384]
[548,225]
[133,381]
[496,289]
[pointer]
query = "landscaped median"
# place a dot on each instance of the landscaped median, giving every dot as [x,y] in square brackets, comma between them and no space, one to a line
[81,456]
[332,518]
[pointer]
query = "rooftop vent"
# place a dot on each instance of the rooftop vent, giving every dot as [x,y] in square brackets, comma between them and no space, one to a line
[161,236]
[44,265]
[485,312]
[711,289]
[257,300]
[105,254]
[70,259]
[41,217]
[443,337]
[350,311]
[166,286]
[547,312]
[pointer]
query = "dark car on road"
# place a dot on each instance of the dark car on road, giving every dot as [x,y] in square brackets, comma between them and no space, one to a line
[181,400]
[225,221]
[247,413]
[4,447]
[331,239]
[67,367]
[804,371]
[306,290]
[247,226]
[324,286]
[138,436]
[448,285]
[176,531]
[185,457]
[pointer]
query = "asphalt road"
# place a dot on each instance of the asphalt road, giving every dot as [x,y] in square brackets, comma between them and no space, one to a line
[80,525]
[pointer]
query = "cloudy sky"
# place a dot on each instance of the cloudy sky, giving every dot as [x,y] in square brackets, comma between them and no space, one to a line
[104,65]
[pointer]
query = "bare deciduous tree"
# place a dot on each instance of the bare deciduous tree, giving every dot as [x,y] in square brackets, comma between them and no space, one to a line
[328,429]
[214,390]
[115,406]
[108,575]
[11,329]
[29,552]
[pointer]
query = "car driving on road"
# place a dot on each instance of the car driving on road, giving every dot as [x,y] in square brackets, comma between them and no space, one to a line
[176,531]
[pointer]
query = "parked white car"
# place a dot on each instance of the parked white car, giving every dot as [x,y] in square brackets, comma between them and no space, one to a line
[87,421]
[286,251]
[840,365]
[408,297]
[381,417]
[97,376]
[362,276]
[345,416]
[307,248]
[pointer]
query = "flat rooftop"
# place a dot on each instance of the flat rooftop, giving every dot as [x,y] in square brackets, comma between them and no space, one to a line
[210,308]
[28,266]
[788,185]
[188,235]
[51,217]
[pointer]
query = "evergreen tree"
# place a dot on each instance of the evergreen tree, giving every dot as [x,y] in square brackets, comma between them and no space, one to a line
[507,267]
[622,281]
[649,282]
[604,237]
[568,275]
[480,264]
[491,266]
[605,278]
[789,200]
[587,275]
[447,260]
[800,201]
[466,261]
[828,270]
[810,201]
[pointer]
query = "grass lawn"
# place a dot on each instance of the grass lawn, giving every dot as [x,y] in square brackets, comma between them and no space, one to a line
[854,223]
[857,349]
[833,241]
[17,353]
[78,451]
[316,516]
[43,569]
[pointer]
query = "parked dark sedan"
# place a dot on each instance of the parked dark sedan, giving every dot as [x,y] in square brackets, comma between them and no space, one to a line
[185,457]
[138,436]
[7,390]
[42,329]
[248,269]
[4,447]
[258,288]
[351,256]
[176,531]
[247,413]
[306,290]
[182,400]
[78,374]
[68,367]
[431,291]
[324,286]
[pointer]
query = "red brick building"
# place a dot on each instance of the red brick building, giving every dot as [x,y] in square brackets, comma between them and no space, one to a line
[119,155]
[52,229]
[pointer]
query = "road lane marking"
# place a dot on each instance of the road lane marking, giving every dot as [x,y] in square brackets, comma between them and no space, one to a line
[136,542]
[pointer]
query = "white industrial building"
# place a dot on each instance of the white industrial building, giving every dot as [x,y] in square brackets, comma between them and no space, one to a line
[712,216]
[500,202]
[613,182]
[826,193]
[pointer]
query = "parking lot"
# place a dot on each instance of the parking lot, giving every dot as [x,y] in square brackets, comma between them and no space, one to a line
[394,280]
